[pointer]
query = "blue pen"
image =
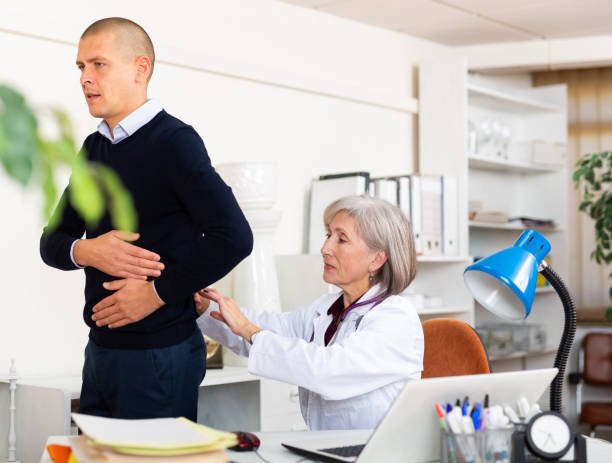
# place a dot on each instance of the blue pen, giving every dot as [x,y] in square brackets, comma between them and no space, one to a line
[464,408]
[449,407]
[476,415]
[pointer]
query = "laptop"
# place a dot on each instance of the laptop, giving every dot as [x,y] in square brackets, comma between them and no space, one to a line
[410,431]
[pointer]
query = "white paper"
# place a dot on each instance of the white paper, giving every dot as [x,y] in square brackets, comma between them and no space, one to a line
[151,433]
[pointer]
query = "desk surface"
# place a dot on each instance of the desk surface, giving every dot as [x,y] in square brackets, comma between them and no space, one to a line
[598,451]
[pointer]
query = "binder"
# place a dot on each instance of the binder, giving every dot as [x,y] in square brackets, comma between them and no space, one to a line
[415,212]
[403,195]
[450,216]
[386,188]
[431,215]
[324,191]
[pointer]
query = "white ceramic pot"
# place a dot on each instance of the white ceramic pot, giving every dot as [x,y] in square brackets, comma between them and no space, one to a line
[254,183]
[255,281]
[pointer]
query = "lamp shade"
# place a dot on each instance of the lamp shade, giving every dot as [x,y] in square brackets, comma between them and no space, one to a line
[504,283]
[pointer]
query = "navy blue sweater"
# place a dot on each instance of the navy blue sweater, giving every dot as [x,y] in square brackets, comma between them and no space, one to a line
[186,214]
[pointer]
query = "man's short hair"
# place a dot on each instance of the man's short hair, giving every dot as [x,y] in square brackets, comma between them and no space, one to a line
[135,36]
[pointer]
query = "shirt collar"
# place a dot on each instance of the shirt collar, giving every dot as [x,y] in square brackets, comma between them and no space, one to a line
[132,122]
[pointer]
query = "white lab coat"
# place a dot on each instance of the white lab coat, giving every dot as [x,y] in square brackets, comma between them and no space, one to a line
[352,382]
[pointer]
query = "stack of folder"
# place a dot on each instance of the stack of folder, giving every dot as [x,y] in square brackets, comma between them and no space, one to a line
[161,439]
[428,201]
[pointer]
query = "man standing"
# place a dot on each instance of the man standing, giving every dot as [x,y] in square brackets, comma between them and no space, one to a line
[145,358]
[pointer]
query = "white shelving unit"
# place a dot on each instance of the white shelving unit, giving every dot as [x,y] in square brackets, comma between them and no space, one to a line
[545,289]
[518,187]
[456,301]
[488,163]
[442,136]
[511,100]
[511,226]
[444,310]
[443,259]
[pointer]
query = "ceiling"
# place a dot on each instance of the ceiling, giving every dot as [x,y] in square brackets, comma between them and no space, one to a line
[471,22]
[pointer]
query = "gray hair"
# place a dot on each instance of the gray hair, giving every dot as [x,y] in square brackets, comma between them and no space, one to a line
[382,226]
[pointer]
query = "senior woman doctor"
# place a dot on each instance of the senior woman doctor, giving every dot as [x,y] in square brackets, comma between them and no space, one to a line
[351,352]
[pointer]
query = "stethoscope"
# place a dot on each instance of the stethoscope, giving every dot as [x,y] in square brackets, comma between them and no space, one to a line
[376,300]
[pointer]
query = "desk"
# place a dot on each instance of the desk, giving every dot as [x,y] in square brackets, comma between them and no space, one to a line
[598,451]
[229,399]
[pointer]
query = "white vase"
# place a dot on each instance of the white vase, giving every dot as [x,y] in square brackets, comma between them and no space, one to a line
[253,183]
[254,280]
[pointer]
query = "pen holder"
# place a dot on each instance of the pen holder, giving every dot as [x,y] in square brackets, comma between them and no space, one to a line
[488,446]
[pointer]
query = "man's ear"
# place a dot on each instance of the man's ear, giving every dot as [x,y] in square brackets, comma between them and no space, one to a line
[143,69]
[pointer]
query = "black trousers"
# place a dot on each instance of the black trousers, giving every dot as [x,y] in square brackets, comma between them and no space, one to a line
[147,383]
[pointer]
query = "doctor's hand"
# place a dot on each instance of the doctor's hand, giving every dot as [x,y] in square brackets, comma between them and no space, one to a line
[230,314]
[112,254]
[132,301]
[201,302]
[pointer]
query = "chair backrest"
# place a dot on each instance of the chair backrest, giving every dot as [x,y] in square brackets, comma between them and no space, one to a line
[597,348]
[452,348]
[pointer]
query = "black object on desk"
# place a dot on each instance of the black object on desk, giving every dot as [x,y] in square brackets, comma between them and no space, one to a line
[246,442]
[547,437]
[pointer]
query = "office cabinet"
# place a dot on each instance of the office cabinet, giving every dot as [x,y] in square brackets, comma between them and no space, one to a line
[529,124]
[522,173]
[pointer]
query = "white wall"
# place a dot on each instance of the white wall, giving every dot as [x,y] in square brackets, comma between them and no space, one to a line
[233,69]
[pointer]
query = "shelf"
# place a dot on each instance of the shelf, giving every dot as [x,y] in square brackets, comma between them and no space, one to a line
[544,289]
[479,162]
[497,99]
[227,375]
[443,259]
[522,355]
[71,385]
[443,310]
[510,226]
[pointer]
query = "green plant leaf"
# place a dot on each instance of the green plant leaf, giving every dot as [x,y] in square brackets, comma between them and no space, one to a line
[590,177]
[85,194]
[609,313]
[584,205]
[49,190]
[122,210]
[579,173]
[23,151]
[19,147]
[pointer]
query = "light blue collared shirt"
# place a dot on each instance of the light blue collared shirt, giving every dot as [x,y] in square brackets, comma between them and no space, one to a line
[128,125]
[131,123]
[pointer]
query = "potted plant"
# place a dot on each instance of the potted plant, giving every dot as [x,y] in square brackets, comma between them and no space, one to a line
[596,171]
[31,155]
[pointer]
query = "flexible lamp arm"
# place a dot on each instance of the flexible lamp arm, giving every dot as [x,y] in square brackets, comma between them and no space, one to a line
[569,330]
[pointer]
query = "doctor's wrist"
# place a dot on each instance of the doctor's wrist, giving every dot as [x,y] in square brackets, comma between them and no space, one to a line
[251,330]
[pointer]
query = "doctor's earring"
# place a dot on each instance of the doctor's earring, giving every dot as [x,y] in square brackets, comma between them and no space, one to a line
[371,277]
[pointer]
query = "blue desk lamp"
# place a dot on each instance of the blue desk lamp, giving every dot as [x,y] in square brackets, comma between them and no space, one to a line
[505,282]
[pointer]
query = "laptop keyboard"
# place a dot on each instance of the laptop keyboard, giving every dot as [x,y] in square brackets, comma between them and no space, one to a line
[348,451]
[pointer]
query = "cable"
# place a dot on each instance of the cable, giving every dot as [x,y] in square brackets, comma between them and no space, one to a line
[262,458]
[569,330]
